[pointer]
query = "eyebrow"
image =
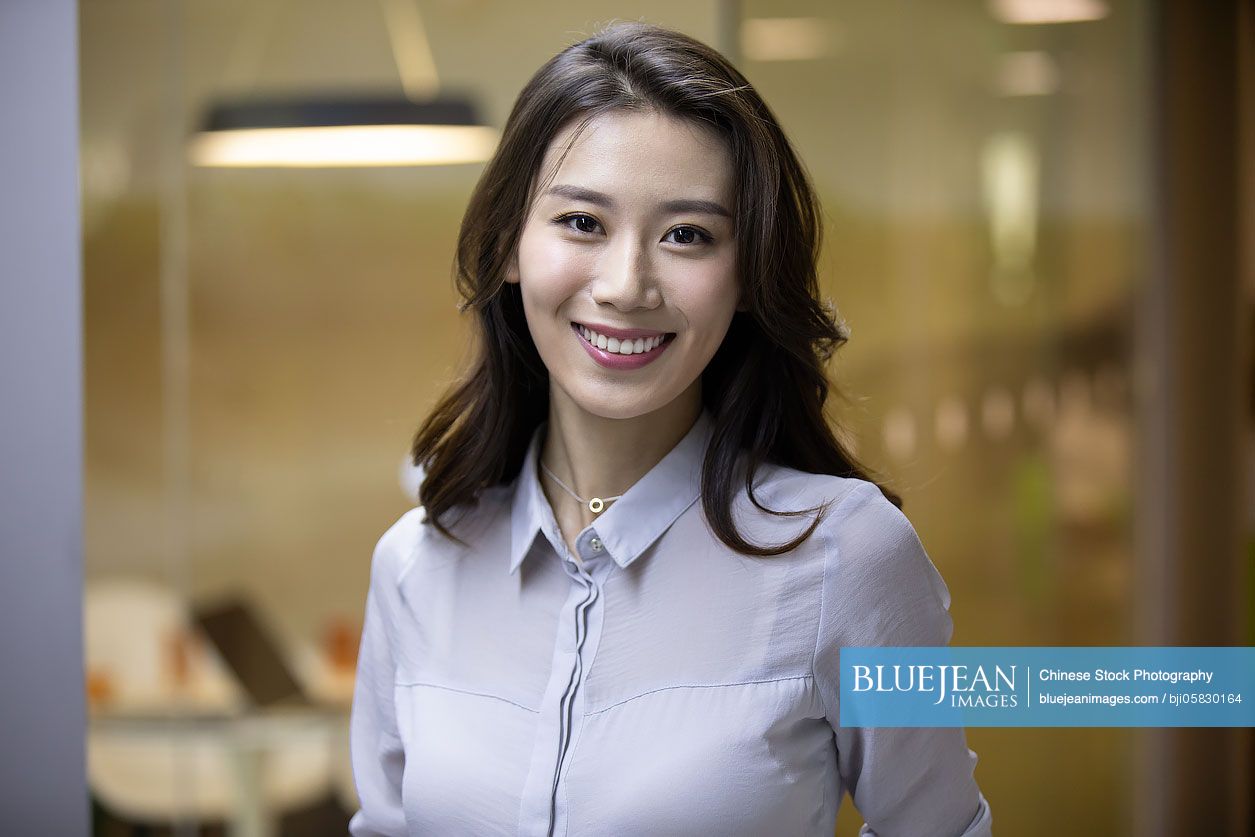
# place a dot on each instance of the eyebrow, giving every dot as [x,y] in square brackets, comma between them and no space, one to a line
[579,193]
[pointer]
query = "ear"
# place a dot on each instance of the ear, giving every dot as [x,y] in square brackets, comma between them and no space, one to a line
[741,304]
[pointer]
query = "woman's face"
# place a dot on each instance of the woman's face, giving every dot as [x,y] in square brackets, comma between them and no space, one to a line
[634,231]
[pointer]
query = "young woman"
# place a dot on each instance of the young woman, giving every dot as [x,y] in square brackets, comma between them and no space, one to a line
[640,547]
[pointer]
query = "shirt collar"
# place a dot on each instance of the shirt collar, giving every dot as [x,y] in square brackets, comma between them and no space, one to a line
[630,524]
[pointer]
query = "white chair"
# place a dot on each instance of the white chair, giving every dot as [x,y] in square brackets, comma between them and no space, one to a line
[148,769]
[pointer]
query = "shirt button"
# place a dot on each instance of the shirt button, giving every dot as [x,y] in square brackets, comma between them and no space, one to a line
[595,543]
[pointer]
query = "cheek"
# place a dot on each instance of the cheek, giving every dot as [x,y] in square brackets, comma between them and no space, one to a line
[550,270]
[708,295]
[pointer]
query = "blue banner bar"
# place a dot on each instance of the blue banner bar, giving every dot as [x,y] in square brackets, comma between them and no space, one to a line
[960,686]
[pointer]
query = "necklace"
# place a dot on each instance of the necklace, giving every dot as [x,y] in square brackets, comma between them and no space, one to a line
[595,505]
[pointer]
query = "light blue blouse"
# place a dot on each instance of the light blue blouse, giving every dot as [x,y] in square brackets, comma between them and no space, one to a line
[657,683]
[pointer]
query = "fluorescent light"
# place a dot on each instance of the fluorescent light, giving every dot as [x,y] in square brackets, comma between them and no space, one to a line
[787,38]
[1047,11]
[344,145]
[343,131]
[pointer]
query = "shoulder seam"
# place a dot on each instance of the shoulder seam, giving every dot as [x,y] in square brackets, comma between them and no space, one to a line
[826,540]
[406,560]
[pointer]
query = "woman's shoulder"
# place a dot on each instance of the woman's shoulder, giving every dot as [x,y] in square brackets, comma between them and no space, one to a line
[414,537]
[406,528]
[858,520]
[803,489]
[397,546]
[875,562]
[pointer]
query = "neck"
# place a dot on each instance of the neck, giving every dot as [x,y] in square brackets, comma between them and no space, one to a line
[604,457]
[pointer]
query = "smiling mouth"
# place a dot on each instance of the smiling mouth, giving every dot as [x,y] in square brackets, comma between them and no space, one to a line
[648,344]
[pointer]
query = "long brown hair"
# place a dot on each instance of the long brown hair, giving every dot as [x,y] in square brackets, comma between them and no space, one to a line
[766,387]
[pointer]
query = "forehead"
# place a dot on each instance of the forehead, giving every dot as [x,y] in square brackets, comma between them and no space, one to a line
[641,153]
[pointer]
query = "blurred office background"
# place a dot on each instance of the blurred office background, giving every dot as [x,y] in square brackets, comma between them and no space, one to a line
[1048,359]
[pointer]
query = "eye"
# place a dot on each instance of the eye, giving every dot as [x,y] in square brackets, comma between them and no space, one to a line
[586,224]
[691,235]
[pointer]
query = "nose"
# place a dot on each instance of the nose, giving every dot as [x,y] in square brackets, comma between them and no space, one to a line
[625,276]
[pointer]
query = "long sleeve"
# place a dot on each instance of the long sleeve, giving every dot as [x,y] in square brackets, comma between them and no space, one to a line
[375,744]
[881,589]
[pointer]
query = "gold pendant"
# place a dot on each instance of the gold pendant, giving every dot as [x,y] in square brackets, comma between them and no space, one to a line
[596,504]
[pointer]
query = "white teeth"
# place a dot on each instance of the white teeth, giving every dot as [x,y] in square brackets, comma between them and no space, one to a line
[622,347]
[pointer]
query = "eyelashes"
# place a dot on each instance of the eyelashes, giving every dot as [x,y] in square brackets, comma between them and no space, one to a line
[699,236]
[565,221]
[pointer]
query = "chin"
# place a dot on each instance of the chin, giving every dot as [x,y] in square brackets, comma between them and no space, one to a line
[616,411]
[620,406]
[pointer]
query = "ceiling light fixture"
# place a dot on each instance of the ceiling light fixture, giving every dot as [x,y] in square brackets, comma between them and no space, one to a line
[421,127]
[1047,11]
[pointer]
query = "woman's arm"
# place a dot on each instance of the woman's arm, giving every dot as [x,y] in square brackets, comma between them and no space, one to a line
[881,589]
[374,742]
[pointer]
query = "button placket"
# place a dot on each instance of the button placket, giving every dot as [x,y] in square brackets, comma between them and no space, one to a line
[544,806]
[574,688]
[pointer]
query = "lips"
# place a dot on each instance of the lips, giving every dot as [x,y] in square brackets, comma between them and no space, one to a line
[621,333]
[616,360]
[618,342]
